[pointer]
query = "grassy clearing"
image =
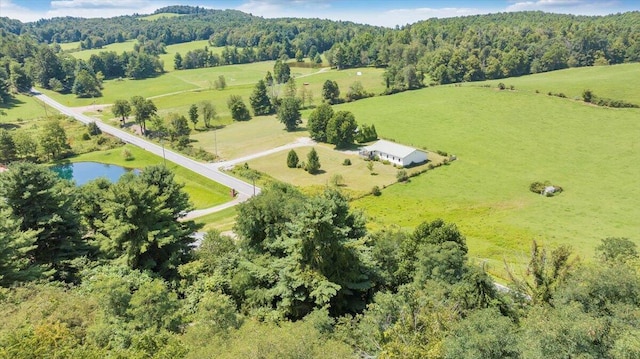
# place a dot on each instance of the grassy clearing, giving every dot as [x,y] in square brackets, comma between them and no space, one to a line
[505,140]
[23,108]
[244,138]
[619,82]
[70,46]
[159,16]
[203,192]
[118,47]
[221,221]
[357,179]
[370,78]
[183,48]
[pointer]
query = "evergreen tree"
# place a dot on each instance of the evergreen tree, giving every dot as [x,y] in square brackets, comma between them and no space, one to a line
[292,159]
[45,204]
[15,246]
[141,228]
[7,147]
[313,162]
[259,100]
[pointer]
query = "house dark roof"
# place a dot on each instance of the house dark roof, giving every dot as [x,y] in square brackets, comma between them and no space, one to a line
[391,148]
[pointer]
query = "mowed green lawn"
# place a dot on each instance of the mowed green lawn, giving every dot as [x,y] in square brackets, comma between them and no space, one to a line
[356,178]
[203,192]
[23,108]
[240,139]
[504,141]
[618,82]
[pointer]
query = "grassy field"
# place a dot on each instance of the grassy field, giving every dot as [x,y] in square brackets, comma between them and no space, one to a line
[504,141]
[159,16]
[23,108]
[70,46]
[221,221]
[357,179]
[244,138]
[183,48]
[619,82]
[203,192]
[118,47]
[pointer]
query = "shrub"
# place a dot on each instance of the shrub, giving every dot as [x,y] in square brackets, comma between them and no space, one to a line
[93,129]
[127,155]
[85,136]
[376,191]
[337,180]
[386,162]
[101,140]
[587,95]
[402,176]
[292,159]
[511,87]
[346,162]
[501,86]
[313,162]
[442,153]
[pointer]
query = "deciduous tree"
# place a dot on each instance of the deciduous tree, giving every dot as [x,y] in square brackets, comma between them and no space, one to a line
[121,108]
[289,113]
[239,111]
[341,128]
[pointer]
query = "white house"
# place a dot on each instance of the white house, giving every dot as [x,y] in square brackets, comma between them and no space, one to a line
[395,153]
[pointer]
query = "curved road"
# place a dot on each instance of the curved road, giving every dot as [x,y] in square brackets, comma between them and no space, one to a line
[245,189]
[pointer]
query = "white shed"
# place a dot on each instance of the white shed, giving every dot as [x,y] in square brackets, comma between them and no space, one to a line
[395,153]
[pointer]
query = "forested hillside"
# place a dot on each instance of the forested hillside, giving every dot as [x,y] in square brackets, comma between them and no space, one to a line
[442,50]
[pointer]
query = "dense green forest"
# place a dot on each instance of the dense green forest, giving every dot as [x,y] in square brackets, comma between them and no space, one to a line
[452,50]
[110,270]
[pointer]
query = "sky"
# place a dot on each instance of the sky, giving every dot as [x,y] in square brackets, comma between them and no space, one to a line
[375,12]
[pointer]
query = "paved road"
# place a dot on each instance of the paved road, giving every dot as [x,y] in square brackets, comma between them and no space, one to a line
[245,189]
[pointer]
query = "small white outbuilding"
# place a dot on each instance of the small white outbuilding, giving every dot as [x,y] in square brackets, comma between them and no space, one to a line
[395,153]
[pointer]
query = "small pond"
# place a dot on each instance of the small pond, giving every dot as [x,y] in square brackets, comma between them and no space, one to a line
[83,172]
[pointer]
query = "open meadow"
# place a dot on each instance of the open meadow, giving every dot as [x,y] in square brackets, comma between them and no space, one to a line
[504,141]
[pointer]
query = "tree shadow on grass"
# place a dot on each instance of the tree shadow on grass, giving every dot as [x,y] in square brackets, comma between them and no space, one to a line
[318,172]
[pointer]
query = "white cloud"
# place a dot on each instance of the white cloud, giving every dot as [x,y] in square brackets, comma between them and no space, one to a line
[14,11]
[578,7]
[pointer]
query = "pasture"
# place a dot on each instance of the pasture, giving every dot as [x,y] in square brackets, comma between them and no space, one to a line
[505,140]
[619,82]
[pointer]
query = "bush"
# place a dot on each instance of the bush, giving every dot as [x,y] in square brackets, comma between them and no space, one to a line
[587,95]
[85,136]
[501,86]
[376,191]
[337,180]
[402,176]
[93,129]
[128,156]
[442,153]
[346,162]
[386,162]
